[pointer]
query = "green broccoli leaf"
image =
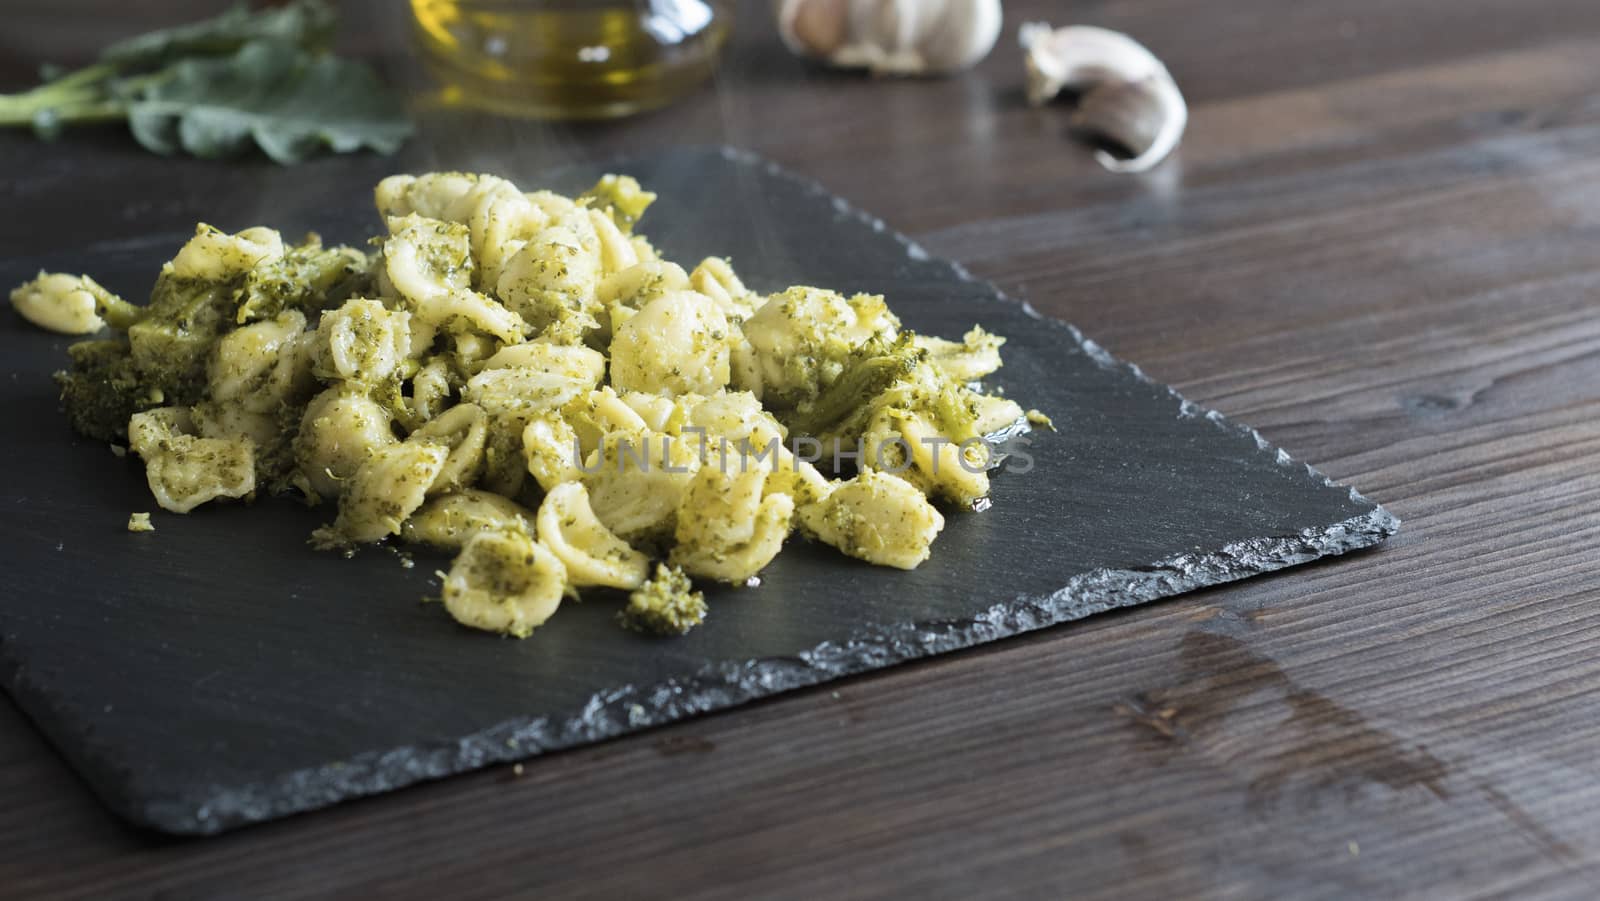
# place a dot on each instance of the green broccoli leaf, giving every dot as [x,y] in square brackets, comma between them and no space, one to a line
[305,23]
[286,101]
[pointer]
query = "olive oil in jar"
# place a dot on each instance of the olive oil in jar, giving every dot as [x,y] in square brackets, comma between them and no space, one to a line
[570,59]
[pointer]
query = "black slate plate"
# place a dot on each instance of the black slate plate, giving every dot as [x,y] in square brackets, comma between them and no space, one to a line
[218,672]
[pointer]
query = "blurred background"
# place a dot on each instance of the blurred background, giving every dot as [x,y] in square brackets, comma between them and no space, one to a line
[1330,146]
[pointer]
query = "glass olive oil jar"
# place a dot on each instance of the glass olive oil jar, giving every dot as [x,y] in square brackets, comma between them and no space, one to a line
[569,59]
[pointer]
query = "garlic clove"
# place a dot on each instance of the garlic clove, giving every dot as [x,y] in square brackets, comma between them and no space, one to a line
[813,27]
[1128,97]
[964,36]
[892,37]
[1146,118]
[1080,56]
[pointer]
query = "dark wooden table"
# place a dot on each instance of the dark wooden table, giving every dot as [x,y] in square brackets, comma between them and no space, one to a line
[1380,245]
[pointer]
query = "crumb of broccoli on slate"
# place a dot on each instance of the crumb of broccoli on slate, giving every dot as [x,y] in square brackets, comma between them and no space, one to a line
[666,604]
[1035,418]
[140,522]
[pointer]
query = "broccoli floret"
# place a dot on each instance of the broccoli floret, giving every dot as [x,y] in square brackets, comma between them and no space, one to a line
[843,407]
[621,197]
[666,604]
[172,343]
[800,341]
[276,466]
[906,415]
[104,389]
[308,278]
[163,360]
[883,374]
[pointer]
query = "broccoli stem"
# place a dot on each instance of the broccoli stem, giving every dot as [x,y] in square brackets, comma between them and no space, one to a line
[87,79]
[85,86]
[91,94]
[49,120]
[117,313]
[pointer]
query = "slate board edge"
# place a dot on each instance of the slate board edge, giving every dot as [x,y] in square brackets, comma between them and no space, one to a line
[207,810]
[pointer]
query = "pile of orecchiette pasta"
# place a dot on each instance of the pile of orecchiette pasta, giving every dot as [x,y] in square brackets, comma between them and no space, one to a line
[522,379]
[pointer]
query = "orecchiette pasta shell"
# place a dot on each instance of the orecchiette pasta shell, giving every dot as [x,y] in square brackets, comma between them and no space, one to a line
[448,522]
[676,344]
[362,341]
[551,450]
[938,463]
[553,276]
[464,430]
[425,258]
[642,282]
[574,361]
[598,413]
[434,195]
[616,251]
[967,360]
[263,367]
[728,528]
[341,427]
[60,303]
[431,388]
[184,471]
[504,582]
[232,421]
[592,554]
[878,518]
[521,391]
[214,255]
[147,430]
[659,414]
[636,481]
[387,488]
[715,278]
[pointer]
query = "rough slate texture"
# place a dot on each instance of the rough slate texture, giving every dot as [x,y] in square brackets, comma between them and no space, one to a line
[218,672]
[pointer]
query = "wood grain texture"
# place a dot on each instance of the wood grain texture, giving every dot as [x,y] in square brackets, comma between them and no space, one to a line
[1377,246]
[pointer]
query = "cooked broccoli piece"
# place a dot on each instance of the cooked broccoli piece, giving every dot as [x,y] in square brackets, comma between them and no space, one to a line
[621,197]
[907,415]
[801,341]
[163,361]
[666,604]
[118,313]
[104,389]
[276,465]
[173,341]
[929,431]
[308,278]
[843,407]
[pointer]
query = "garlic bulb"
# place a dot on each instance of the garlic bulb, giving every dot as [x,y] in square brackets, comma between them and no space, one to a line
[892,37]
[1127,95]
